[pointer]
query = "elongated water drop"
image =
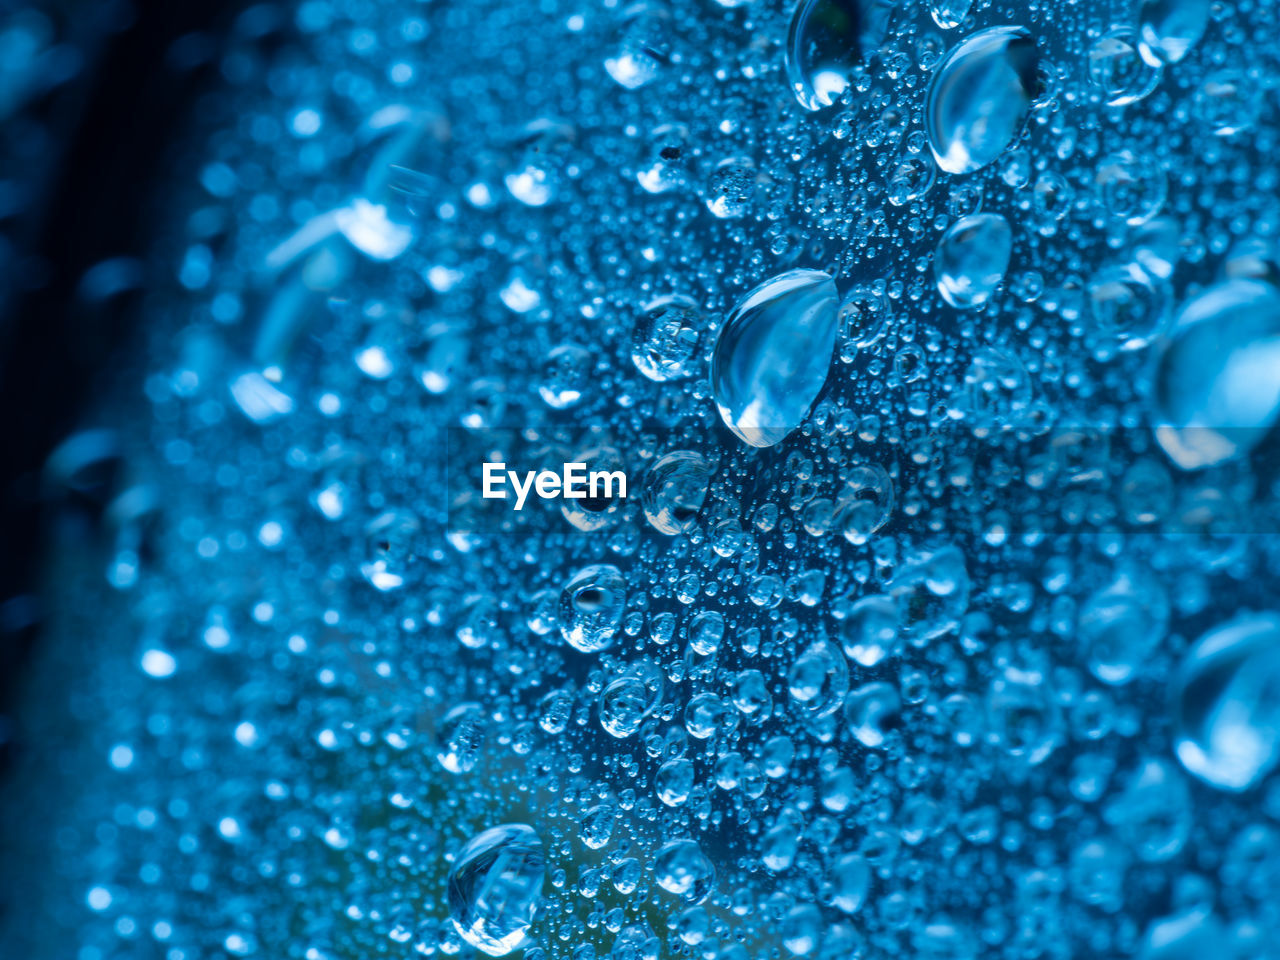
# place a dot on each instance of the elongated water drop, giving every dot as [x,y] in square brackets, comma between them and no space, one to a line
[979,96]
[773,353]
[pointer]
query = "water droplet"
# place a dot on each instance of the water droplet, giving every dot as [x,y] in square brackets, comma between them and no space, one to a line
[1022,717]
[670,159]
[772,356]
[627,701]
[1128,305]
[731,188]
[979,96]
[674,489]
[869,630]
[1226,702]
[1217,379]
[828,39]
[1168,29]
[1117,68]
[818,680]
[1129,188]
[495,887]
[871,711]
[1152,815]
[642,51]
[1121,624]
[591,606]
[667,341]
[850,878]
[972,258]
[674,781]
[932,594]
[681,868]
[565,375]
[865,503]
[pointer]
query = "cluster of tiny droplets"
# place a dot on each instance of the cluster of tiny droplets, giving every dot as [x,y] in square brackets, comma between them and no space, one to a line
[932,644]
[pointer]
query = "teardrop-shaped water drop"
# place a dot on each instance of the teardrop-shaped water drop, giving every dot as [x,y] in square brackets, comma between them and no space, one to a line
[773,353]
[979,96]
[972,258]
[1217,380]
[828,39]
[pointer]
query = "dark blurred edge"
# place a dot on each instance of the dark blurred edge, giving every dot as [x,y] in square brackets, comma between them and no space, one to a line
[87,157]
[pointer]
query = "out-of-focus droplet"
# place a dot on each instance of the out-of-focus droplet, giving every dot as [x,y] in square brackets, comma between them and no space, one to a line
[869,630]
[1130,188]
[979,96]
[871,711]
[865,503]
[932,593]
[1216,390]
[565,375]
[1191,935]
[670,159]
[772,356]
[542,148]
[642,50]
[1128,306]
[1118,70]
[1168,29]
[371,230]
[1226,703]
[1152,814]
[1227,103]
[259,399]
[1023,718]
[681,868]
[1121,625]
[819,679]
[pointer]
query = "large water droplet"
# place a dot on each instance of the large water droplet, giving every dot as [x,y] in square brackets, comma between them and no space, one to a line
[495,886]
[972,258]
[773,353]
[1217,380]
[979,95]
[1167,29]
[683,869]
[1226,701]
[827,40]
[1121,624]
